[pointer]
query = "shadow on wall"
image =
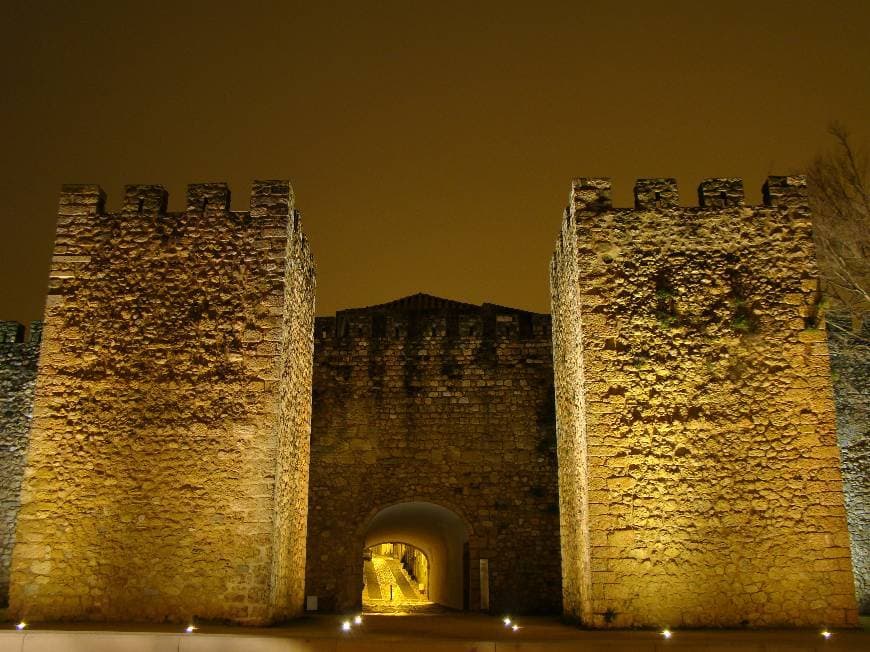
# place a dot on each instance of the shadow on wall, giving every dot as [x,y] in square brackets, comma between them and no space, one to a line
[440,533]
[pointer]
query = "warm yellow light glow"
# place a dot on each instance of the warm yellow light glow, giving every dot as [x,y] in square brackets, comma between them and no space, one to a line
[826,634]
[667,633]
[506,621]
[515,627]
[345,626]
[21,625]
[357,620]
[190,629]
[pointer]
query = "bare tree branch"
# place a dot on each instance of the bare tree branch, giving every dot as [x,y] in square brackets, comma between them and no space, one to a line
[840,199]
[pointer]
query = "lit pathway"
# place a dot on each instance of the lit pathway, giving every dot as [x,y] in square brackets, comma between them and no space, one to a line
[373,587]
[381,573]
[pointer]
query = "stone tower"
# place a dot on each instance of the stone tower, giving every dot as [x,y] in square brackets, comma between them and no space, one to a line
[698,463]
[167,470]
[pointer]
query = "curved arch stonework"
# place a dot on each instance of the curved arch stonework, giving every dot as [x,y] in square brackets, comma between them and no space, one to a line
[443,504]
[440,533]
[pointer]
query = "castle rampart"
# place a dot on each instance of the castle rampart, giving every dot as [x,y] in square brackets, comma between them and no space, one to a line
[165,474]
[435,401]
[699,472]
[19,355]
[174,387]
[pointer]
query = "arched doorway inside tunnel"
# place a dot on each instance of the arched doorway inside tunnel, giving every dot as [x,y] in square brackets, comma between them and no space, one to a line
[415,559]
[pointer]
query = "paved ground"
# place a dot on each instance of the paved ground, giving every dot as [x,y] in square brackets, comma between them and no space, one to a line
[442,633]
[373,586]
[389,589]
[408,592]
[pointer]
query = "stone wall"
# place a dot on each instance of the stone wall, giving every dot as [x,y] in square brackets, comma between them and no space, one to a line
[850,364]
[173,389]
[699,469]
[19,354]
[436,401]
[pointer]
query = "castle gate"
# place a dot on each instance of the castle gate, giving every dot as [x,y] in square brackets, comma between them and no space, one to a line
[440,414]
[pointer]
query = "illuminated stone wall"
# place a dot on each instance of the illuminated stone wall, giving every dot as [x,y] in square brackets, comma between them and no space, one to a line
[699,470]
[430,400]
[850,363]
[174,387]
[19,353]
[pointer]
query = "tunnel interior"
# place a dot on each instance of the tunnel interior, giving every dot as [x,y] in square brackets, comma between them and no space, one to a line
[414,556]
[395,577]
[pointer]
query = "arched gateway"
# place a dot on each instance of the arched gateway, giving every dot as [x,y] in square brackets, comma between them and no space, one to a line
[433,426]
[415,553]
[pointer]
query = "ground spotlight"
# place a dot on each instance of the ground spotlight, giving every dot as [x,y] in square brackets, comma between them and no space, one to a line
[190,629]
[345,626]
[826,634]
[507,621]
[21,625]
[667,633]
[357,620]
[515,627]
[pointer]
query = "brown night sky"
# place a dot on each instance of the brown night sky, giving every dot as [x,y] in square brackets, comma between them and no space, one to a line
[431,146]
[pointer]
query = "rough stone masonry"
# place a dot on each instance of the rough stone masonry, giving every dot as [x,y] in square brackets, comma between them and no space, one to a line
[699,473]
[174,388]
[850,364]
[166,474]
[19,353]
[425,399]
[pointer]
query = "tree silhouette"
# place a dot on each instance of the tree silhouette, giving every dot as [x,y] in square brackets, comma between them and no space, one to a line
[839,193]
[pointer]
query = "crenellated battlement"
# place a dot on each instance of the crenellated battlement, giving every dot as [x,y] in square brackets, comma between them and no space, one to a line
[203,197]
[13,332]
[656,193]
[268,197]
[145,200]
[84,224]
[725,192]
[785,190]
[594,194]
[424,317]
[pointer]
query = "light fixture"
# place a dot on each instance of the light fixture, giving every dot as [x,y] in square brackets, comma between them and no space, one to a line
[667,633]
[21,625]
[357,620]
[190,629]
[345,626]
[507,621]
[515,627]
[826,634]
